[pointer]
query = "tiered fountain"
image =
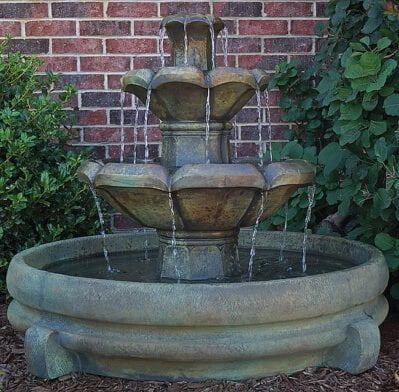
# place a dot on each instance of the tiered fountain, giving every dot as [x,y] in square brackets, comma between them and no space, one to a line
[193,311]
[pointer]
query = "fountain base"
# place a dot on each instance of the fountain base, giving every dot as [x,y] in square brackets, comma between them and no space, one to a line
[163,331]
[199,255]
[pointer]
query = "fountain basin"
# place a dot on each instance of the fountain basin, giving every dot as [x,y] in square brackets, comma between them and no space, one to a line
[165,331]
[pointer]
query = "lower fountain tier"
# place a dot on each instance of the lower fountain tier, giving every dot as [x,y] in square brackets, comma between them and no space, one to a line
[163,331]
[199,255]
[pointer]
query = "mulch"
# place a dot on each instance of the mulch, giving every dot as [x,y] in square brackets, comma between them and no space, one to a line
[15,377]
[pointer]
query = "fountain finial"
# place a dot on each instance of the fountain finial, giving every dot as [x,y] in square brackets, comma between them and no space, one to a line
[192,38]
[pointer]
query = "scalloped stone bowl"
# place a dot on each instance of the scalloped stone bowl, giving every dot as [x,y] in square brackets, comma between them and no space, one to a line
[215,197]
[180,93]
[160,331]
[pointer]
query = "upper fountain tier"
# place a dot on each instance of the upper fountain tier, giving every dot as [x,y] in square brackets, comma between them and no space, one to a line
[179,93]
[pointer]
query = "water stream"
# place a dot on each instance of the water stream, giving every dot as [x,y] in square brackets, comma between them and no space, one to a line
[235,133]
[311,194]
[260,141]
[135,128]
[225,45]
[252,253]
[212,33]
[147,109]
[102,231]
[185,43]
[174,249]
[162,33]
[282,245]
[207,123]
[269,124]
[122,151]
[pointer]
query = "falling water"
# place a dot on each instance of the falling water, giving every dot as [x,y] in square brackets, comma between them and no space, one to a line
[174,249]
[311,194]
[269,124]
[235,132]
[162,32]
[102,231]
[147,109]
[145,231]
[282,245]
[122,152]
[212,32]
[185,43]
[225,45]
[136,123]
[260,142]
[207,125]
[253,240]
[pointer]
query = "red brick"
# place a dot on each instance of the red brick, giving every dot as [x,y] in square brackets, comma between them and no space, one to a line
[44,28]
[231,61]
[132,46]
[244,45]
[105,64]
[104,27]
[132,10]
[321,9]
[238,9]
[102,135]
[295,9]
[288,45]
[177,7]
[114,82]
[266,62]
[153,62]
[263,27]
[23,10]
[10,28]
[101,99]
[77,45]
[146,27]
[59,64]
[303,27]
[28,46]
[114,151]
[92,117]
[77,10]
[82,81]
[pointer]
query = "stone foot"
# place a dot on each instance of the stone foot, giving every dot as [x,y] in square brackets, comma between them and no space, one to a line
[359,351]
[45,357]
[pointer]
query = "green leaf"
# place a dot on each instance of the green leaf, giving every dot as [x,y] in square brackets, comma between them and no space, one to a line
[370,101]
[362,84]
[351,111]
[381,149]
[365,41]
[354,71]
[330,156]
[391,105]
[384,241]
[386,70]
[382,199]
[378,127]
[370,63]
[383,43]
[292,150]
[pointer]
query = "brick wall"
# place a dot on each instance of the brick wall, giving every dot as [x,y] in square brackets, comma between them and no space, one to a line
[92,43]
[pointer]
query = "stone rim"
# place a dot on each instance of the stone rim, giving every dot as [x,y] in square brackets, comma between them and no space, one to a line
[183,305]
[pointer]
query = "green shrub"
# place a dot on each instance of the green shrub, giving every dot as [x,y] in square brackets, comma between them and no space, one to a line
[41,199]
[346,110]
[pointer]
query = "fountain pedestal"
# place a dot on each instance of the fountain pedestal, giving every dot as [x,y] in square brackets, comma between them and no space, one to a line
[199,256]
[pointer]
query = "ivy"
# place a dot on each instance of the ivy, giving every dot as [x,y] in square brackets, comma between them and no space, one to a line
[344,113]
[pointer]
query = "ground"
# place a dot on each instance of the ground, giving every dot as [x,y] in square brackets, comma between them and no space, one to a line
[15,377]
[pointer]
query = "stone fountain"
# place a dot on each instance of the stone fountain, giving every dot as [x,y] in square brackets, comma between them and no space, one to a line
[194,313]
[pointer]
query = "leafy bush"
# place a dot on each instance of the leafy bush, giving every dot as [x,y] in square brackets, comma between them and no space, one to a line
[41,199]
[345,111]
